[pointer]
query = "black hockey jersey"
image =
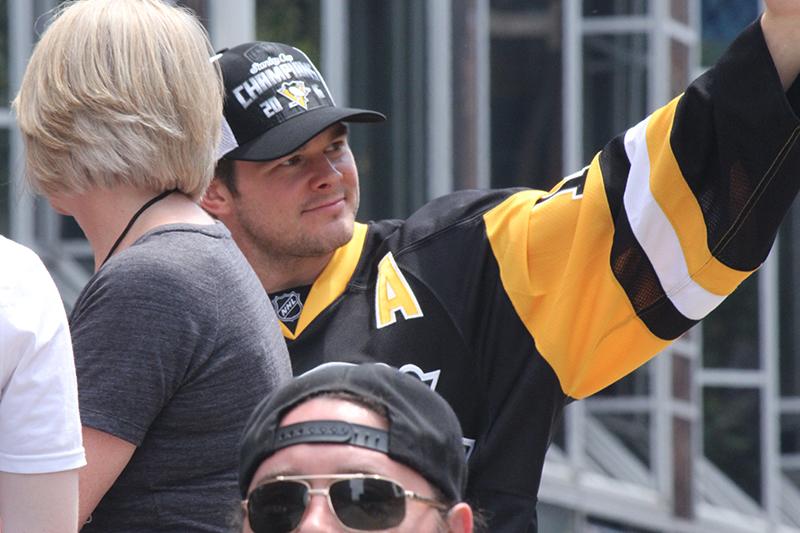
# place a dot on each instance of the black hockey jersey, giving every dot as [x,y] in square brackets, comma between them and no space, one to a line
[511,302]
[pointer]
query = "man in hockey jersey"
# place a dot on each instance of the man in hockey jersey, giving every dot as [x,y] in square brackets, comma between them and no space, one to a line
[510,303]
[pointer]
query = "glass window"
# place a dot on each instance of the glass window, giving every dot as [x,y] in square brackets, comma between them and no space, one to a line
[70,229]
[789,303]
[683,464]
[295,22]
[604,8]
[388,74]
[514,6]
[731,437]
[681,377]
[4,92]
[632,429]
[4,133]
[794,475]
[679,67]
[614,87]
[199,7]
[722,20]
[525,94]
[679,10]
[4,183]
[559,432]
[554,518]
[730,332]
[790,434]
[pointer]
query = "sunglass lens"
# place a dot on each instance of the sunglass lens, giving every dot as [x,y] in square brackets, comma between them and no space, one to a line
[276,507]
[368,504]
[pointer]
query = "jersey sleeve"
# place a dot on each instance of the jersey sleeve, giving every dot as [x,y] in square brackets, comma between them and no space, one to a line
[40,430]
[668,219]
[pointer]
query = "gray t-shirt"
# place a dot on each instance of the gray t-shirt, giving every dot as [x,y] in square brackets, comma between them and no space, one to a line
[175,343]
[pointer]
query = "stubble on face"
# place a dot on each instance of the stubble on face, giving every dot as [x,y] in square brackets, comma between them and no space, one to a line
[282,239]
[300,207]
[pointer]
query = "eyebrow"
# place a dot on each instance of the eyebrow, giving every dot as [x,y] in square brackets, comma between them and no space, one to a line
[340,129]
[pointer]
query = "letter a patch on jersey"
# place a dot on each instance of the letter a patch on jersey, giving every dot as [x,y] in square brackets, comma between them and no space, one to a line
[393,294]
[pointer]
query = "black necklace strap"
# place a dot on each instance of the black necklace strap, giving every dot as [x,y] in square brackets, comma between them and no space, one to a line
[132,221]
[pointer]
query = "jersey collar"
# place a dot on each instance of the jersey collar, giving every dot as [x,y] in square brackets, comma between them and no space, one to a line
[332,282]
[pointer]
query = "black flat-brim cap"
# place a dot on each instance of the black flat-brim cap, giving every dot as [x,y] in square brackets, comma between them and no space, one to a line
[276,101]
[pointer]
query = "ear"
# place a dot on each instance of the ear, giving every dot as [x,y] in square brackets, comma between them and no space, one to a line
[460,519]
[217,199]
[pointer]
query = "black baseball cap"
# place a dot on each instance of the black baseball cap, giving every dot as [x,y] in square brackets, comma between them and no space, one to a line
[275,101]
[424,433]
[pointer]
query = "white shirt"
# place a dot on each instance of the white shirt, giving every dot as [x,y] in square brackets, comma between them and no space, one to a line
[40,429]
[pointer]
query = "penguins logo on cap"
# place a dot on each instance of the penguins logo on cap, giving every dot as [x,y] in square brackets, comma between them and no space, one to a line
[297,93]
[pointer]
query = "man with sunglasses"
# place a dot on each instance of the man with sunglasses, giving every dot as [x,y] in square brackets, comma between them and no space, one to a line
[512,303]
[362,447]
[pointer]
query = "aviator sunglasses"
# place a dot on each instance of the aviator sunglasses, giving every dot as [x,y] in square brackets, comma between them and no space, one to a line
[359,501]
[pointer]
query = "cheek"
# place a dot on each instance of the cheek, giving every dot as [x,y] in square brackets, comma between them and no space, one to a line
[272,203]
[418,519]
[350,177]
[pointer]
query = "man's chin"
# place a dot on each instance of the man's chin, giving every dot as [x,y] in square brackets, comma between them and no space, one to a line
[328,241]
[341,237]
[340,230]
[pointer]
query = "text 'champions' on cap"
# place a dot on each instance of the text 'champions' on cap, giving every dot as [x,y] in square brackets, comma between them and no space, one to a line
[275,101]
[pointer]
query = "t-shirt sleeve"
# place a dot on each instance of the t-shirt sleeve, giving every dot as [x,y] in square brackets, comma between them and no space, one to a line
[40,429]
[136,328]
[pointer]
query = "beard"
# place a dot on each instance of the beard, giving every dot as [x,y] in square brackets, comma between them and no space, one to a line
[295,244]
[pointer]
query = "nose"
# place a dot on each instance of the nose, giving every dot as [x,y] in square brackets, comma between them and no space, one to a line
[318,517]
[324,173]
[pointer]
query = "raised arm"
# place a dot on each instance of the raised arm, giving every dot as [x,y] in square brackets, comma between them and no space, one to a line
[668,219]
[781,26]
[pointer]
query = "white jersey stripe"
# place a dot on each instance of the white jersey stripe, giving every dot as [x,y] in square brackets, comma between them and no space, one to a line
[657,237]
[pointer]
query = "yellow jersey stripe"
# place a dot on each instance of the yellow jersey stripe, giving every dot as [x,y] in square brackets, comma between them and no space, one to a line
[332,282]
[681,208]
[580,317]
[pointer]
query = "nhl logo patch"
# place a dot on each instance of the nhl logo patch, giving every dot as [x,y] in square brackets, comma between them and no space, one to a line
[288,306]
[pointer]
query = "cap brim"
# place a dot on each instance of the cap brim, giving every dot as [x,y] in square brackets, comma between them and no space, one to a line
[285,138]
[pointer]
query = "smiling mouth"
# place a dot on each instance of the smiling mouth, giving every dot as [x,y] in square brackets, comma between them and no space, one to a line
[330,203]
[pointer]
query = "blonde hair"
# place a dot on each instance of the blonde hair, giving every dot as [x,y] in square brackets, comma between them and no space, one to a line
[121,92]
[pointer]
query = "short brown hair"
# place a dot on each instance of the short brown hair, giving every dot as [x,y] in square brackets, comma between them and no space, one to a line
[225,171]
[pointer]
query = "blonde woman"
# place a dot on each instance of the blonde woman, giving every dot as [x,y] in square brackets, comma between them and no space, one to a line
[120,112]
